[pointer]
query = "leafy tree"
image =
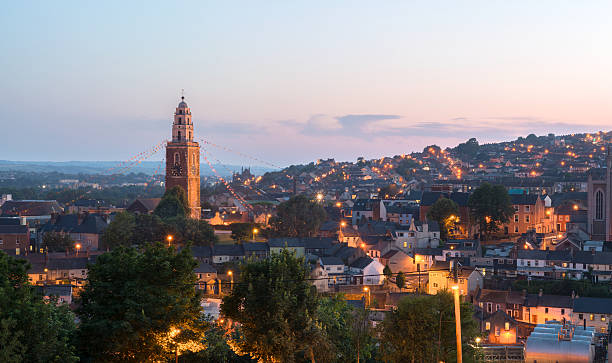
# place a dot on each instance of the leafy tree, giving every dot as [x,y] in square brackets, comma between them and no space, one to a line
[31,330]
[400,280]
[242,231]
[347,328]
[217,350]
[388,273]
[149,228]
[422,329]
[140,305]
[189,230]
[468,149]
[57,242]
[442,212]
[173,204]
[490,205]
[300,216]
[120,231]
[276,308]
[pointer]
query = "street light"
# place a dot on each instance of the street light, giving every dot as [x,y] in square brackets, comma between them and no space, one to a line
[319,197]
[78,247]
[478,340]
[174,333]
[458,322]
[169,238]
[367,289]
[255,231]
[231,275]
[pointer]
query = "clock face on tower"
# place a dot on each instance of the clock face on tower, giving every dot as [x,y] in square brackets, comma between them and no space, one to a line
[177,170]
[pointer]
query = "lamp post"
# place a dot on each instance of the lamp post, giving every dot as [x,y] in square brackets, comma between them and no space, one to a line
[319,197]
[255,231]
[231,275]
[78,247]
[173,334]
[455,289]
[367,289]
[169,238]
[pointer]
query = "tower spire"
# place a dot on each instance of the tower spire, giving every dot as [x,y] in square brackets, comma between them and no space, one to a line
[182,94]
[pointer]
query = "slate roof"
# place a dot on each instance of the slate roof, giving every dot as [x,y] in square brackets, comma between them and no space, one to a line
[553,301]
[429,198]
[149,203]
[69,223]
[361,262]
[255,246]
[597,258]
[201,251]
[30,208]
[364,205]
[331,260]
[204,268]
[318,243]
[524,199]
[71,263]
[13,229]
[281,242]
[228,250]
[595,305]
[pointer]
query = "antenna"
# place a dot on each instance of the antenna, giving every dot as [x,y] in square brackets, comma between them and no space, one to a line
[182,93]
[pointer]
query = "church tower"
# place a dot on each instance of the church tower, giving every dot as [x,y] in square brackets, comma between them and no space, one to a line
[183,159]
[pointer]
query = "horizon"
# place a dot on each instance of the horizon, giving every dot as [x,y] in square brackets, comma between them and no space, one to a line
[292,83]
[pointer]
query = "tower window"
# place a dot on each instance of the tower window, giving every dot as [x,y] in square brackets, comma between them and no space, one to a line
[179,135]
[180,121]
[599,205]
[177,158]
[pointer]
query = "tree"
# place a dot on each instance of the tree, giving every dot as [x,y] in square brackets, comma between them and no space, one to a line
[57,242]
[140,305]
[422,329]
[490,205]
[300,216]
[149,228]
[120,231]
[468,149]
[189,230]
[400,280]
[389,191]
[347,328]
[276,308]
[242,231]
[173,204]
[31,330]
[217,350]
[388,274]
[445,212]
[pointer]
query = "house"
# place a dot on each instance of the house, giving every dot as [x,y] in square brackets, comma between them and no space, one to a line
[593,312]
[223,253]
[202,253]
[42,209]
[500,328]
[143,205]
[295,245]
[367,271]
[540,308]
[542,263]
[530,213]
[363,210]
[14,235]
[335,269]
[68,268]
[319,278]
[63,293]
[441,278]
[318,246]
[85,229]
[509,302]
[461,248]
[349,236]
[418,235]
[256,250]
[400,261]
[207,278]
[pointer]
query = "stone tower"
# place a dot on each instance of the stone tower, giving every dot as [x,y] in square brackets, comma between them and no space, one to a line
[183,159]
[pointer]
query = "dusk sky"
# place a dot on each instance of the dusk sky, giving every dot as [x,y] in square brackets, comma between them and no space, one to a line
[290,82]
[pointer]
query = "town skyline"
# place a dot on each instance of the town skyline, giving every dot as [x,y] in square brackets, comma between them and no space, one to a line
[338,82]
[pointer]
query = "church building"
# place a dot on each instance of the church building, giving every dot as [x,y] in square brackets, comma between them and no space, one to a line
[183,159]
[599,200]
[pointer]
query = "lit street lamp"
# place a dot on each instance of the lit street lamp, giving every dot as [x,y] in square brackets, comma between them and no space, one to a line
[255,231]
[319,197]
[78,247]
[367,289]
[169,238]
[231,275]
[173,334]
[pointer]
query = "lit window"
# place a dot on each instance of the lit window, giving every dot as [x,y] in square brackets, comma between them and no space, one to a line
[591,317]
[603,318]
[487,326]
[507,326]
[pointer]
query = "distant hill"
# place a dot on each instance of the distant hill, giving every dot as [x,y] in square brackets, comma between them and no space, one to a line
[102,167]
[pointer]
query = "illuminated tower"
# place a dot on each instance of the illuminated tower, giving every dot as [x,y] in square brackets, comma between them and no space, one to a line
[183,159]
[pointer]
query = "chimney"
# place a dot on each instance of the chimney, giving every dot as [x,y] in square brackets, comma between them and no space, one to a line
[540,293]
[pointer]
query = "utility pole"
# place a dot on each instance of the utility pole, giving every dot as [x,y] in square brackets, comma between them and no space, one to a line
[457,311]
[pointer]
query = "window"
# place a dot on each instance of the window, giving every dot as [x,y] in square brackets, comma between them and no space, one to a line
[177,158]
[405,244]
[516,208]
[180,122]
[580,316]
[527,208]
[516,218]
[487,326]
[1,241]
[562,311]
[546,310]
[497,331]
[599,205]
[507,326]
[527,218]
[496,307]
[489,307]
[179,134]
[591,317]
[516,313]
[17,242]
[516,229]
[603,318]
[435,284]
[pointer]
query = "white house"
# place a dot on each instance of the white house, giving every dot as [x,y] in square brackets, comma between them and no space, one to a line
[368,271]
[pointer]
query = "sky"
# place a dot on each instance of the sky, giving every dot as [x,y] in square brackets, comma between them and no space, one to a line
[289,82]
